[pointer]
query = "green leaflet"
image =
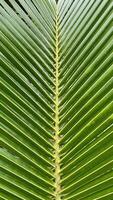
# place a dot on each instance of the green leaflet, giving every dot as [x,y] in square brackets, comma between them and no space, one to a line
[56,138]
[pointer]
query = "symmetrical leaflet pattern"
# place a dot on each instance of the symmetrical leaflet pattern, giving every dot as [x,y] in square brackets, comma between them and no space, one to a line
[56,139]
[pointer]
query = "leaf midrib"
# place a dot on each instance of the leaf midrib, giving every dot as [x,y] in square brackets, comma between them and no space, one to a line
[56,137]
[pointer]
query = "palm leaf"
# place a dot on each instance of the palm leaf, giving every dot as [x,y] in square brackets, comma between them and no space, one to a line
[56,139]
